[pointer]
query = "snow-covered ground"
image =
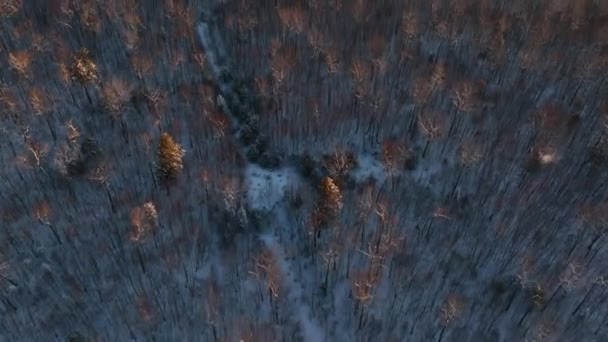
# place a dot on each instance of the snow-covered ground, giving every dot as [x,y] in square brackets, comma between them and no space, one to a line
[368,166]
[295,295]
[266,188]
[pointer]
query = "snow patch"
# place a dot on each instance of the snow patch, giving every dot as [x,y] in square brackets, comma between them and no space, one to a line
[266,188]
[427,170]
[368,166]
[310,327]
[341,300]
[204,35]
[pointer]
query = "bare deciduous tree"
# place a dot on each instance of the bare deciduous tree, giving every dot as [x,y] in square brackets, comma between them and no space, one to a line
[431,125]
[265,265]
[144,220]
[116,92]
[21,61]
[451,308]
[339,164]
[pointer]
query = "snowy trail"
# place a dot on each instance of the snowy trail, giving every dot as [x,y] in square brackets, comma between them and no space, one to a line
[217,264]
[265,192]
[310,327]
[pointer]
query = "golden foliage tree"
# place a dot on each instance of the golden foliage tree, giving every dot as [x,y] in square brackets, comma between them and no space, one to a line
[328,205]
[331,198]
[170,156]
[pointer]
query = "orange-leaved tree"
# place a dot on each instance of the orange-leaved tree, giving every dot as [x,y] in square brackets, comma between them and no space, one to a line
[329,204]
[170,156]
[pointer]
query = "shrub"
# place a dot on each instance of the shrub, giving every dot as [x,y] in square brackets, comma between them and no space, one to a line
[250,130]
[307,166]
[261,142]
[243,91]
[537,296]
[76,337]
[89,149]
[269,160]
[253,154]
[499,286]
[83,68]
[257,149]
[220,102]
[598,153]
[226,76]
[533,162]
[76,167]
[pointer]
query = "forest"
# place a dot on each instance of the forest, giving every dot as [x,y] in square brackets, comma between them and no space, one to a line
[303,170]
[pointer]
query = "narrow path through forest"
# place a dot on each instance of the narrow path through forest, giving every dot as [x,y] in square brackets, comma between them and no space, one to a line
[265,185]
